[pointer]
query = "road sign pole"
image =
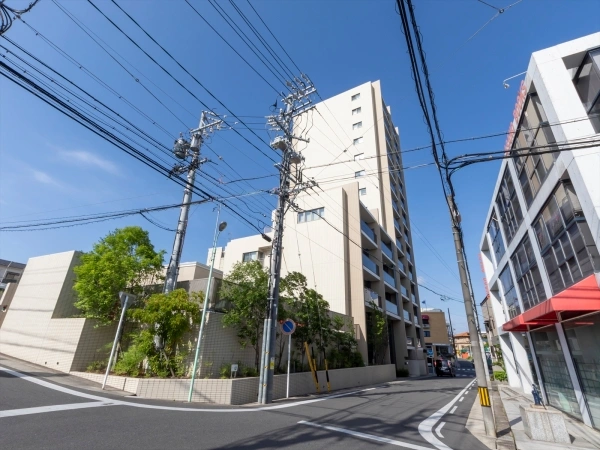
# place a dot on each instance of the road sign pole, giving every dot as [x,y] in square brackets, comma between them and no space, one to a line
[287,391]
[114,346]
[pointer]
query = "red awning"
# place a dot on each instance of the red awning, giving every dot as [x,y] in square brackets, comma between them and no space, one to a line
[581,298]
[424,317]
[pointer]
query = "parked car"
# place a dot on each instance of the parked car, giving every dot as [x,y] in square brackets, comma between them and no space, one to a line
[444,367]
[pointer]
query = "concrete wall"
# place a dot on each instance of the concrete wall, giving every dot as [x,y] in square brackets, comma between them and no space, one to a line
[242,391]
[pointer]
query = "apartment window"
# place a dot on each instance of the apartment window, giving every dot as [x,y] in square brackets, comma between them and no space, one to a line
[587,83]
[360,173]
[357,141]
[565,240]
[10,277]
[426,333]
[362,191]
[534,131]
[496,237]
[528,275]
[508,206]
[357,125]
[359,156]
[510,293]
[252,256]
[356,111]
[355,97]
[309,216]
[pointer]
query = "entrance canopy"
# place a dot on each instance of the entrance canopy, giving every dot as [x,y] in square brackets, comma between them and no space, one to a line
[580,299]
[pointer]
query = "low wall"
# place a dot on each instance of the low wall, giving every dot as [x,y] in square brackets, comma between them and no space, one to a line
[242,391]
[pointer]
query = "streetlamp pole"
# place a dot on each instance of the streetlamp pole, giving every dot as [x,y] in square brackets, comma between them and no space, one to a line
[218,228]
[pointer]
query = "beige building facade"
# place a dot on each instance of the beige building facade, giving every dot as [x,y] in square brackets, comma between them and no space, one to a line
[435,331]
[352,239]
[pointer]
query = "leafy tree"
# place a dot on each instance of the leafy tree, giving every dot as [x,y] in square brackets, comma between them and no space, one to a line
[246,288]
[377,333]
[169,316]
[123,260]
[343,353]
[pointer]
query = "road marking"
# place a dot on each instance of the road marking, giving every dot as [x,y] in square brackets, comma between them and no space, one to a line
[461,399]
[51,408]
[370,437]
[427,425]
[438,430]
[453,409]
[170,408]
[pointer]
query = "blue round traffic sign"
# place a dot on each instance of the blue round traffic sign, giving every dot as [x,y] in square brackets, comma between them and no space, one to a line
[288,326]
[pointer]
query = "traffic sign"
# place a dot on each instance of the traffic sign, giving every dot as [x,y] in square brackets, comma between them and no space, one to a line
[288,326]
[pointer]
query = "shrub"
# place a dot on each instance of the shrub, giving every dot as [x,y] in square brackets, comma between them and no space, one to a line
[97,366]
[500,375]
[131,361]
[402,373]
[225,371]
[248,371]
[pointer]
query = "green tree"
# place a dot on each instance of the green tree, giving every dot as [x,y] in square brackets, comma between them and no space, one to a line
[123,260]
[169,316]
[343,352]
[246,288]
[377,333]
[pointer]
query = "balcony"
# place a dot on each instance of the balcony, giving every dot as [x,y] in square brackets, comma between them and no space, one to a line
[410,276]
[372,296]
[391,307]
[406,237]
[404,292]
[387,251]
[409,256]
[398,228]
[404,221]
[410,341]
[416,321]
[370,235]
[399,245]
[389,280]
[406,316]
[403,204]
[394,191]
[401,267]
[396,208]
[371,267]
[413,298]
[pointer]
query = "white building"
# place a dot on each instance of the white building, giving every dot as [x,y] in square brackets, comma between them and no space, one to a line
[352,238]
[542,232]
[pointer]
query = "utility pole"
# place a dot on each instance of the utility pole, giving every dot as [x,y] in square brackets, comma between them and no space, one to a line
[452,333]
[296,103]
[184,150]
[480,370]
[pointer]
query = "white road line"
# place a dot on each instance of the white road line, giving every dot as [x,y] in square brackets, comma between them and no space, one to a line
[461,399]
[427,425]
[453,409]
[171,408]
[438,430]
[370,437]
[51,408]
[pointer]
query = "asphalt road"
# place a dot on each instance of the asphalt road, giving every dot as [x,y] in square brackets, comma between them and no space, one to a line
[66,413]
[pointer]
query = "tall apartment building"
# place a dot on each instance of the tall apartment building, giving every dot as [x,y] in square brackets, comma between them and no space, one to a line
[351,238]
[540,246]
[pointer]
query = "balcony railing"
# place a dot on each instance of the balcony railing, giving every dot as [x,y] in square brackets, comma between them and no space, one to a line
[395,207]
[416,320]
[410,341]
[369,264]
[408,256]
[403,204]
[372,296]
[389,279]
[401,266]
[399,245]
[398,227]
[406,315]
[413,298]
[394,191]
[404,222]
[391,307]
[387,250]
[404,291]
[410,275]
[368,231]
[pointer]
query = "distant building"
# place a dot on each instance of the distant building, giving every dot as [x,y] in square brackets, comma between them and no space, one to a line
[540,245]
[490,328]
[10,272]
[353,240]
[435,332]
[462,341]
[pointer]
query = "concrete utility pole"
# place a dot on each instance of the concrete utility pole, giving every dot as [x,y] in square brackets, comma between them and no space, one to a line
[296,103]
[480,370]
[184,150]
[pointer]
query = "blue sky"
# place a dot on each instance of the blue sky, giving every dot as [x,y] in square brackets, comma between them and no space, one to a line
[52,167]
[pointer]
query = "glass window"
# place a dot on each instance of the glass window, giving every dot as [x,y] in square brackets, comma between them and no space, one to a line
[362,191]
[309,216]
[565,240]
[528,275]
[534,131]
[359,156]
[252,256]
[357,141]
[360,173]
[508,207]
[357,125]
[356,111]
[553,368]
[496,237]
[587,83]
[510,293]
[355,97]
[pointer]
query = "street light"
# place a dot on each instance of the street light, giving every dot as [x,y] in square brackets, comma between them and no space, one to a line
[220,227]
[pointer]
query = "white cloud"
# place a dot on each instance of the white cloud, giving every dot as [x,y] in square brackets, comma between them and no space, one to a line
[421,280]
[84,158]
[44,178]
